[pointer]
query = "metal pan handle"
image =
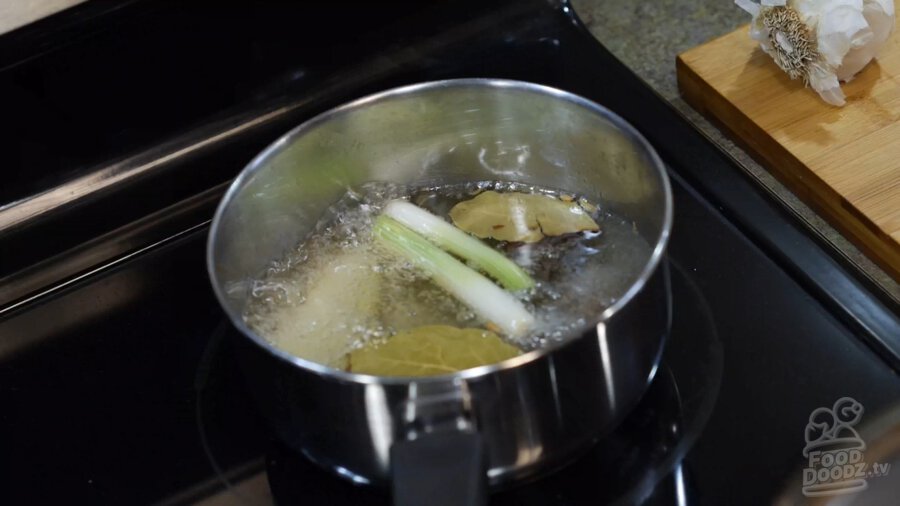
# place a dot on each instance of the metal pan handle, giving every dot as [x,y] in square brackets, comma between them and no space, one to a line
[439,469]
[442,460]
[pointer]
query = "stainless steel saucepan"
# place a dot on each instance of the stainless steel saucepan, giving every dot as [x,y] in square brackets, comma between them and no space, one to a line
[449,436]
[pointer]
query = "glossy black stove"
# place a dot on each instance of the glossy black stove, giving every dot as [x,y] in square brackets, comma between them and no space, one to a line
[117,384]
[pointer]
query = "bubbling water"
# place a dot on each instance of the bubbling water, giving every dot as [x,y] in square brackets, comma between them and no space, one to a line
[339,290]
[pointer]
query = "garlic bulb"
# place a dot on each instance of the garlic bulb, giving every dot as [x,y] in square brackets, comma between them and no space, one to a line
[822,42]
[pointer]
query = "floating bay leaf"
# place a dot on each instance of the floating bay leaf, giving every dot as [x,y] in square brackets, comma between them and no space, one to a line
[520,217]
[431,350]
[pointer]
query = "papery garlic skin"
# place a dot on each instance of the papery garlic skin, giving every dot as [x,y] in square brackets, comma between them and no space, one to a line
[879,15]
[834,41]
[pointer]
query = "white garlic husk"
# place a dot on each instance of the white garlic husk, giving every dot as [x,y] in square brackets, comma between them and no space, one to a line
[822,42]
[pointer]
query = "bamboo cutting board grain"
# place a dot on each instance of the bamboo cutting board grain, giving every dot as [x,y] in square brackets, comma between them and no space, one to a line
[843,162]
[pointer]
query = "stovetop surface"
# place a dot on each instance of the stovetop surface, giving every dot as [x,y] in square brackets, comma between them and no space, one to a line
[117,385]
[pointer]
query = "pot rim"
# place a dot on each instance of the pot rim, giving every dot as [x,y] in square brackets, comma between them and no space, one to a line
[259,161]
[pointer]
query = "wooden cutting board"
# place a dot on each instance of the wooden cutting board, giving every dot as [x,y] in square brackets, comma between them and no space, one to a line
[843,162]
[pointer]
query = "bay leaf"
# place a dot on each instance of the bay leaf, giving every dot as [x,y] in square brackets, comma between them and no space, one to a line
[430,350]
[520,217]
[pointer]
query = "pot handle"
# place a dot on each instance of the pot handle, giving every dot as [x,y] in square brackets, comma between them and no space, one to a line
[442,459]
[439,469]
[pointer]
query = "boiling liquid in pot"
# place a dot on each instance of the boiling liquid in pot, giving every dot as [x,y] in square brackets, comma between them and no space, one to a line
[339,290]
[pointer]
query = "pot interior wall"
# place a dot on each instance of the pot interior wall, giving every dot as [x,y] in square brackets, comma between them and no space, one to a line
[459,132]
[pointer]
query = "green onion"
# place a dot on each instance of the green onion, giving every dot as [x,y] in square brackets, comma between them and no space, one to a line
[488,300]
[461,244]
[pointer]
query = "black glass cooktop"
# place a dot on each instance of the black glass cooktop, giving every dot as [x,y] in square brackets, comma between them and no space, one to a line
[117,379]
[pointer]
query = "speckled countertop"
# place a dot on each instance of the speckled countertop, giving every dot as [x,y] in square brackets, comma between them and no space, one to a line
[647,36]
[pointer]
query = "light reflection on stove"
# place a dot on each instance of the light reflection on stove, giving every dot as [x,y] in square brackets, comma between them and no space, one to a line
[350,475]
